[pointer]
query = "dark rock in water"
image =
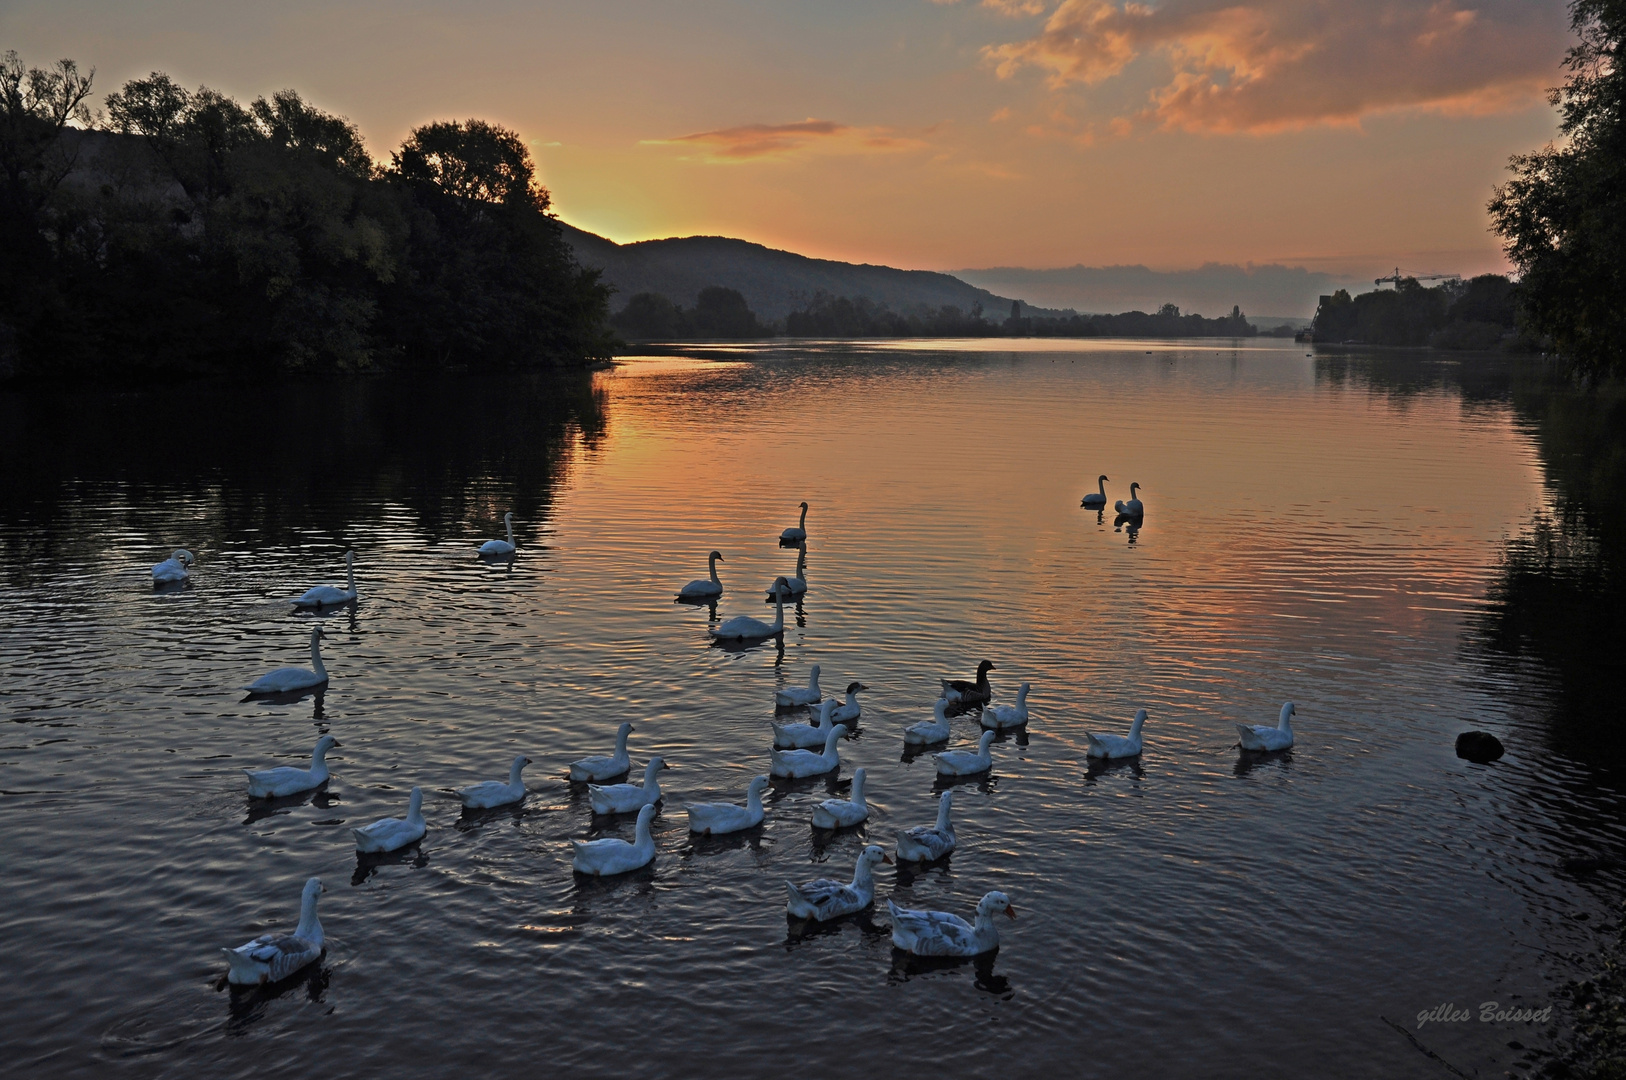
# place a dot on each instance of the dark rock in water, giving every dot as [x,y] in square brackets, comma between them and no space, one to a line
[1479,746]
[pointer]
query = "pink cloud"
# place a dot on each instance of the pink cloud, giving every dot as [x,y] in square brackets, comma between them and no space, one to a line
[752,141]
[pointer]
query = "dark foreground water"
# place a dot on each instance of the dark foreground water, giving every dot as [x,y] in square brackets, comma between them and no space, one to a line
[1406,548]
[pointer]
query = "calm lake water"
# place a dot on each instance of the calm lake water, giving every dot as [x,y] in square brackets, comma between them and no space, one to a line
[1386,541]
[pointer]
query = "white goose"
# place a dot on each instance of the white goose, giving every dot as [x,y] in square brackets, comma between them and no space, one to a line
[795,584]
[938,933]
[931,731]
[964,762]
[331,595]
[745,628]
[806,736]
[801,695]
[849,711]
[287,679]
[625,798]
[843,813]
[1133,507]
[1001,717]
[612,855]
[718,819]
[1095,500]
[703,588]
[501,547]
[605,768]
[797,763]
[1117,746]
[823,898]
[490,793]
[928,843]
[961,692]
[796,532]
[288,780]
[1264,737]
[270,958]
[393,833]
[173,568]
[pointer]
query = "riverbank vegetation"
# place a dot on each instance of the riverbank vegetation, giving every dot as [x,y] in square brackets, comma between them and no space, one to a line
[1482,314]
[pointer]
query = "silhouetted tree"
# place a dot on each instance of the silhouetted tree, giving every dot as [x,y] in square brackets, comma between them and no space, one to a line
[720,312]
[650,315]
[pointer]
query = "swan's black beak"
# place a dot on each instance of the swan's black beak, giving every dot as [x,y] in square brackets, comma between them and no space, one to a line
[1010,910]
[337,745]
[886,858]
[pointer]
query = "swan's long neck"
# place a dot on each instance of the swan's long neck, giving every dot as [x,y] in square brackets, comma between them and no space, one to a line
[803,523]
[1101,486]
[350,570]
[813,680]
[943,805]
[987,741]
[1286,722]
[415,807]
[508,520]
[641,837]
[858,788]
[863,873]
[309,927]
[801,563]
[826,711]
[621,740]
[778,610]
[940,710]
[1140,718]
[652,781]
[715,580]
[316,654]
[1022,695]
[830,744]
[319,757]
[753,798]
[513,772]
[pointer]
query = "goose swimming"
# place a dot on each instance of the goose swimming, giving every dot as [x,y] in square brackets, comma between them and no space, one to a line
[501,547]
[1001,717]
[960,692]
[288,780]
[795,584]
[1266,738]
[928,843]
[843,813]
[492,793]
[719,819]
[801,695]
[173,568]
[795,532]
[605,768]
[287,679]
[931,731]
[938,933]
[332,595]
[797,763]
[270,958]
[823,898]
[964,762]
[1117,746]
[702,588]
[1095,500]
[745,628]
[393,833]
[806,736]
[1133,507]
[612,855]
[849,711]
[625,798]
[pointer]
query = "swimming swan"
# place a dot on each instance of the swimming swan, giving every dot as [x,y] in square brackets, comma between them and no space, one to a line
[1000,717]
[960,692]
[938,933]
[605,768]
[1095,500]
[270,958]
[806,736]
[797,763]
[931,731]
[1133,507]
[484,796]
[718,819]
[1117,746]
[612,855]
[332,595]
[287,679]
[625,798]
[796,584]
[173,568]
[701,588]
[501,547]
[928,843]
[796,532]
[843,813]
[801,695]
[823,899]
[964,762]
[393,833]
[849,711]
[288,780]
[1262,737]
[745,628]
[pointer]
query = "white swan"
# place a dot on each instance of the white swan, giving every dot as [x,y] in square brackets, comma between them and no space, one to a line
[1264,737]
[806,736]
[745,628]
[331,595]
[801,695]
[287,679]
[501,547]
[849,711]
[796,532]
[928,843]
[702,588]
[1117,746]
[1000,717]
[605,768]
[173,568]
[931,731]
[843,813]
[795,584]
[1095,500]
[796,763]
[964,762]
[393,833]
[1133,507]
[717,819]
[612,855]
[625,798]
[823,898]
[270,958]
[938,933]
[484,796]
[288,780]
[960,692]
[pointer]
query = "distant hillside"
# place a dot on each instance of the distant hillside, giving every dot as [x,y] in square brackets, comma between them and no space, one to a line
[774,283]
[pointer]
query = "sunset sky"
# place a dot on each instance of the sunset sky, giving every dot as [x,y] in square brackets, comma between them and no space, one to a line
[1339,136]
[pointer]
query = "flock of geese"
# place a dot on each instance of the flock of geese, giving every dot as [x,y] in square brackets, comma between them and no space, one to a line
[800,749]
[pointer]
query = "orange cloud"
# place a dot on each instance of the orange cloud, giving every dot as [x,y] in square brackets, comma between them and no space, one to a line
[1269,65]
[755,141]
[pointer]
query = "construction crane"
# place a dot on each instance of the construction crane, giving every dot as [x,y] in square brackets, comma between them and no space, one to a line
[1397,277]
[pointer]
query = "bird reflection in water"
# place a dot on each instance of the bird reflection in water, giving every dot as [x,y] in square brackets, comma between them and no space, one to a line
[801,931]
[1130,524]
[1264,761]
[247,1005]
[906,966]
[1099,767]
[320,797]
[369,862]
